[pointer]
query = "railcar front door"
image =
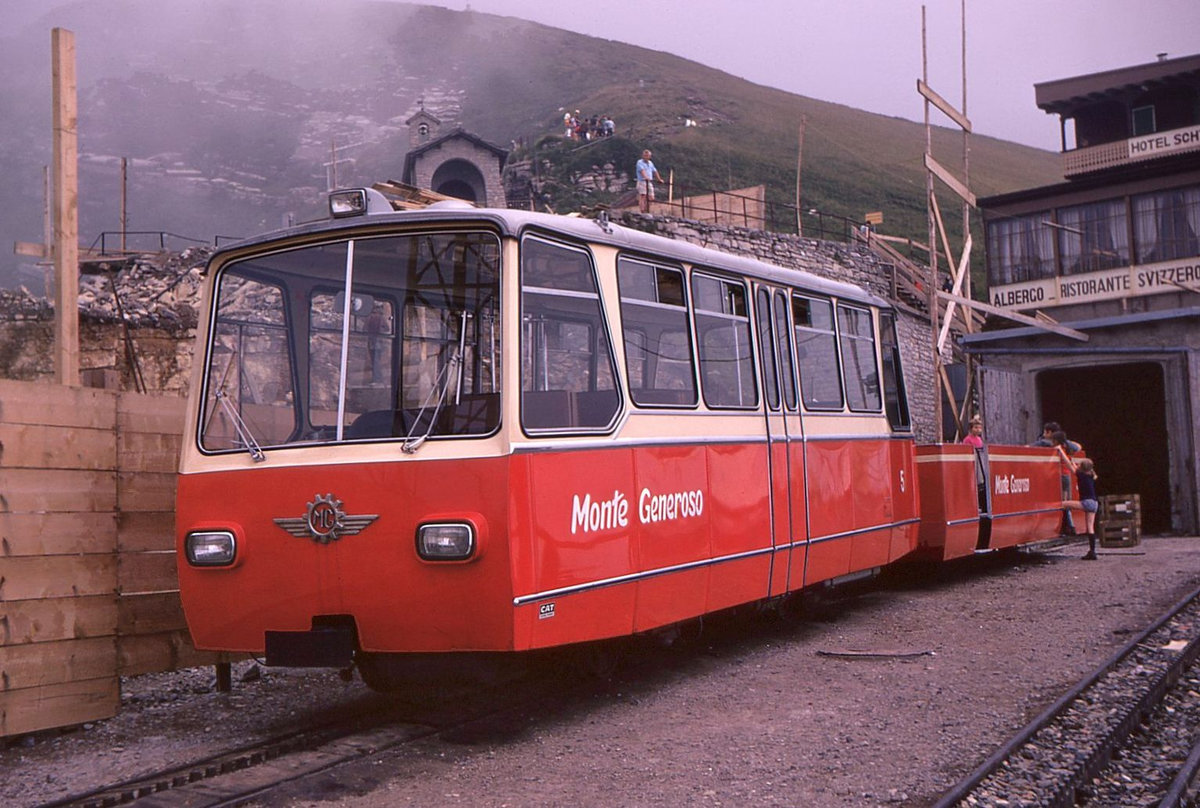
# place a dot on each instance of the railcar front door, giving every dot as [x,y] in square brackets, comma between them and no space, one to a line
[784,436]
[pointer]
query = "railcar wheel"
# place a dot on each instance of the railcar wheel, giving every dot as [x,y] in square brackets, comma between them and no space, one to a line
[446,673]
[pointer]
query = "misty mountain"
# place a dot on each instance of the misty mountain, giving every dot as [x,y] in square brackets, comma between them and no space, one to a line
[229,114]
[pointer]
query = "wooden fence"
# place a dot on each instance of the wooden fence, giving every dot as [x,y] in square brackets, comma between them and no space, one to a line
[88,589]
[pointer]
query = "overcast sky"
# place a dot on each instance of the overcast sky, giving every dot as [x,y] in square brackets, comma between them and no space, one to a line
[867,54]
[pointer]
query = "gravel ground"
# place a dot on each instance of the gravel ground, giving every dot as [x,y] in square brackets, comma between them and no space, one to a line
[762,711]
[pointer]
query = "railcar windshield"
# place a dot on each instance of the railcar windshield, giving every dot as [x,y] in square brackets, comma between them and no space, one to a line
[390,337]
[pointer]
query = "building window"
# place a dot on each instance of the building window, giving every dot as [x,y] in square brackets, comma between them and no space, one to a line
[1166,225]
[1143,121]
[1093,237]
[1020,249]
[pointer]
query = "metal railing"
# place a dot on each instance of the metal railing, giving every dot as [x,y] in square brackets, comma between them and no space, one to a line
[101,245]
[752,210]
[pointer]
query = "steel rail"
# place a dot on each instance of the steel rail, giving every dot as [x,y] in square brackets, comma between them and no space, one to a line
[1089,767]
[1181,791]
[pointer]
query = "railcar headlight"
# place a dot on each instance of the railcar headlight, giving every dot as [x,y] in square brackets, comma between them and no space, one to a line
[352,202]
[453,541]
[210,548]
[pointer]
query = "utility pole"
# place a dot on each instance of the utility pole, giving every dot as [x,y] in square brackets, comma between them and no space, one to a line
[124,200]
[66,208]
[799,166]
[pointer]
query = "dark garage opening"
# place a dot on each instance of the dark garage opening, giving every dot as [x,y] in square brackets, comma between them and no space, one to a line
[1119,414]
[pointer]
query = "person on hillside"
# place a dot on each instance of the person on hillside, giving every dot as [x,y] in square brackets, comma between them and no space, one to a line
[647,175]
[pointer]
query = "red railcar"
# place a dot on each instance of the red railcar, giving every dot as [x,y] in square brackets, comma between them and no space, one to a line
[461,431]
[988,499]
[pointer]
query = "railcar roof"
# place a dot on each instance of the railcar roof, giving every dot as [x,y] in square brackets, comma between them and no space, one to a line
[515,222]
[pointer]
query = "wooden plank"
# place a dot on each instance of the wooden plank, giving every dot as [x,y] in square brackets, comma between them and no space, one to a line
[36,577]
[35,534]
[1012,315]
[138,531]
[945,106]
[31,249]
[54,405]
[56,447]
[150,613]
[52,663]
[57,490]
[952,182]
[147,572]
[146,491]
[168,651]
[148,451]
[151,413]
[36,708]
[50,619]
[65,173]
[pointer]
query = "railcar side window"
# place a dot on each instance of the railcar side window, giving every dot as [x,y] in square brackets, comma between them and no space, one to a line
[858,357]
[783,337]
[767,346]
[568,380]
[249,367]
[723,332]
[817,354]
[658,343]
[895,397]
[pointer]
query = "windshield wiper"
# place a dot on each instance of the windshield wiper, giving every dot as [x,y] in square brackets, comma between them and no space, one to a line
[441,389]
[240,426]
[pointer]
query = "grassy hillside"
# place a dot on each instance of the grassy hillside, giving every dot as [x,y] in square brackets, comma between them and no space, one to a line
[250,91]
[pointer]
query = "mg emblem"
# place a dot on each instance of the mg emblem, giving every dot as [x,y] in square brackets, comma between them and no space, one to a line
[325,518]
[325,521]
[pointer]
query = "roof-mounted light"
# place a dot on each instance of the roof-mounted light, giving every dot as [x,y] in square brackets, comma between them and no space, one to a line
[357,202]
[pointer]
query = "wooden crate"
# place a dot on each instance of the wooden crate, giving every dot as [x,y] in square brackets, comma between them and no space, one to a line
[1119,522]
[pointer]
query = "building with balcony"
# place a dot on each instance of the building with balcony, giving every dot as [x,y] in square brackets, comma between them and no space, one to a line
[1112,252]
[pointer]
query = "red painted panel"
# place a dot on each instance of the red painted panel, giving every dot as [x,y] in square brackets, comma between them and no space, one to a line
[870,550]
[637,522]
[582,517]
[946,478]
[827,559]
[398,601]
[830,500]
[799,554]
[593,614]
[870,481]
[905,498]
[671,598]
[782,525]
[856,485]
[1026,497]
[736,499]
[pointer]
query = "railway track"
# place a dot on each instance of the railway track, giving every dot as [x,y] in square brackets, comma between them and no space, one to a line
[1122,736]
[252,772]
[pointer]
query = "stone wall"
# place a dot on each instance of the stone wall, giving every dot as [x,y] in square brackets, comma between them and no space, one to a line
[462,148]
[150,332]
